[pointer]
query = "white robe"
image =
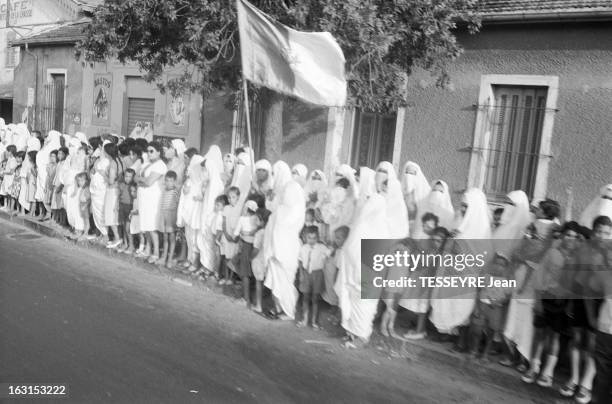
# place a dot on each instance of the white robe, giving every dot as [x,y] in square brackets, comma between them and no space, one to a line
[449,313]
[282,238]
[370,222]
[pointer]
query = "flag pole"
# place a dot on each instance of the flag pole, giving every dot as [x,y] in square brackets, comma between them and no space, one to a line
[248,121]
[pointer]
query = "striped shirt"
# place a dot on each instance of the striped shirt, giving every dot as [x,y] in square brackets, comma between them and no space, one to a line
[170,199]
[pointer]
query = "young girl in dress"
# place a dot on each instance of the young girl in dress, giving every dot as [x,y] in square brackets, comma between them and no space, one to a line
[16,183]
[31,183]
[8,176]
[84,197]
[48,197]
[258,264]
[25,174]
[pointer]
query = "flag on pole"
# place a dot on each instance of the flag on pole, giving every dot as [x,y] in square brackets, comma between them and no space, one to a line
[305,65]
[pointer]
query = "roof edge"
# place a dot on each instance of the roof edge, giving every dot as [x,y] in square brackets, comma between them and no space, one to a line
[547,16]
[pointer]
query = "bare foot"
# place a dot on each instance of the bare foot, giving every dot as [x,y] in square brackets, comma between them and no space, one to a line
[300,324]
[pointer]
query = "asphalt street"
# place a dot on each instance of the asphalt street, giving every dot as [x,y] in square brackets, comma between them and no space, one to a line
[117,333]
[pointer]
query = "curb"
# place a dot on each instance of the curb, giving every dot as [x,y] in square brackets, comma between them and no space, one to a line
[490,373]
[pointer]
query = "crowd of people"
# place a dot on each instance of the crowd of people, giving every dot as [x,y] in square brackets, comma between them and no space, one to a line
[298,234]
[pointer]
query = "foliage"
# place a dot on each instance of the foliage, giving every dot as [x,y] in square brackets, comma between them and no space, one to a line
[382,40]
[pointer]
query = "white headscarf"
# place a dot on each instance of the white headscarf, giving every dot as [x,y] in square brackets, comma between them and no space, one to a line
[437,202]
[196,176]
[21,135]
[367,185]
[476,223]
[81,137]
[300,174]
[214,188]
[396,212]
[214,156]
[186,201]
[514,221]
[243,175]
[346,171]
[281,176]
[33,143]
[415,183]
[600,206]
[179,147]
[267,185]
[315,186]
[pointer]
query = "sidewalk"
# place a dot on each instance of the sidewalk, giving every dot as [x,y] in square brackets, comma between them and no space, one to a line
[381,349]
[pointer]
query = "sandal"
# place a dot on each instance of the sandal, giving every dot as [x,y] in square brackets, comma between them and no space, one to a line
[569,389]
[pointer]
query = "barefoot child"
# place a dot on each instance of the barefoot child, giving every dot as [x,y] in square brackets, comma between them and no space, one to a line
[244,233]
[125,207]
[169,206]
[312,259]
[135,223]
[48,194]
[82,226]
[231,214]
[217,229]
[258,264]
[16,183]
[488,315]
[330,271]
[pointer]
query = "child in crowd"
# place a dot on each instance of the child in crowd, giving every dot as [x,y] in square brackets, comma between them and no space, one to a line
[258,264]
[330,271]
[84,196]
[497,215]
[169,206]
[8,176]
[16,183]
[313,255]
[125,207]
[217,229]
[58,204]
[244,234]
[488,315]
[135,223]
[31,185]
[48,192]
[309,220]
[231,214]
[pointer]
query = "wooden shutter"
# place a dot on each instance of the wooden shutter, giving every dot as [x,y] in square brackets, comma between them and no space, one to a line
[516,130]
[140,110]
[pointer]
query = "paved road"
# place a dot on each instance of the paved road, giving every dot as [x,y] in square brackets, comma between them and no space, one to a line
[117,333]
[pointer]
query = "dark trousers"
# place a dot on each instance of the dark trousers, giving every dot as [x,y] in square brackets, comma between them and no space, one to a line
[603,364]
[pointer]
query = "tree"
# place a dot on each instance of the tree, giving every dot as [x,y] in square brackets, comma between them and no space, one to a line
[382,41]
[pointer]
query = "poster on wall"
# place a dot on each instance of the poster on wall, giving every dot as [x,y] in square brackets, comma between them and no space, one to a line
[177,114]
[103,84]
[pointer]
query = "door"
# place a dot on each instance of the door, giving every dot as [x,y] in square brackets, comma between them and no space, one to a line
[373,139]
[58,82]
[140,111]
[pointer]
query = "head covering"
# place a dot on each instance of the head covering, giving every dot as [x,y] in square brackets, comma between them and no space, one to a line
[300,173]
[315,186]
[179,147]
[476,223]
[243,174]
[600,206]
[281,176]
[346,171]
[437,202]
[195,171]
[514,221]
[265,165]
[33,143]
[214,156]
[81,137]
[214,188]
[396,212]
[415,183]
[367,184]
[21,135]
[251,205]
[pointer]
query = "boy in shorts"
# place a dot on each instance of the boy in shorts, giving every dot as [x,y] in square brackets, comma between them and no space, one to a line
[310,275]
[169,206]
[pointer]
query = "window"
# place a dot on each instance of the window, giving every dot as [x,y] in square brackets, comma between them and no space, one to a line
[511,149]
[12,53]
[515,133]
[373,138]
